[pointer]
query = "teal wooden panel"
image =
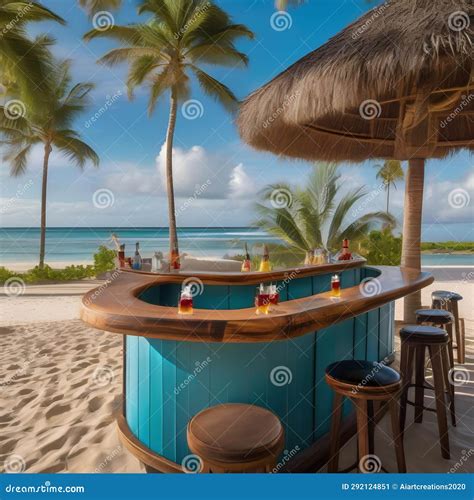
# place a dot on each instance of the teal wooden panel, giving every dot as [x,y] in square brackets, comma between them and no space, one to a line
[151,295]
[168,350]
[283,289]
[213,297]
[298,288]
[321,283]
[241,297]
[156,395]
[348,279]
[373,335]
[144,390]
[360,336]
[384,331]
[132,383]
[332,344]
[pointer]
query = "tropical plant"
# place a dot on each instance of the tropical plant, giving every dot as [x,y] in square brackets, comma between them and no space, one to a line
[309,217]
[49,126]
[382,248]
[24,63]
[284,4]
[389,173]
[94,6]
[180,36]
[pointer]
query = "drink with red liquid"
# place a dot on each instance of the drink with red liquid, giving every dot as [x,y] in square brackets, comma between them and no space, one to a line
[345,253]
[175,263]
[335,286]
[274,295]
[262,300]
[185,302]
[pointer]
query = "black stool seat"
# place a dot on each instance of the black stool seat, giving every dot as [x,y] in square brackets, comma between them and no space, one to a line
[422,333]
[437,316]
[367,373]
[445,295]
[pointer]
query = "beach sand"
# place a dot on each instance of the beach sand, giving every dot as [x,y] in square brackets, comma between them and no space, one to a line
[60,390]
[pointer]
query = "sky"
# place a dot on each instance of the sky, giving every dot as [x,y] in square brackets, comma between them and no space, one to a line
[217,176]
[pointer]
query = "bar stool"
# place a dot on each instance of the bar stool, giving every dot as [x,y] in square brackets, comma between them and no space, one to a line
[236,438]
[442,299]
[415,340]
[442,319]
[364,382]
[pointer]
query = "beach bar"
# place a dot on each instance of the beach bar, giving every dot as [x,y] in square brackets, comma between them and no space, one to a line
[177,365]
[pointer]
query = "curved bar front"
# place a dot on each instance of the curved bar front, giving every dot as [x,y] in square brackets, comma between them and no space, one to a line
[175,366]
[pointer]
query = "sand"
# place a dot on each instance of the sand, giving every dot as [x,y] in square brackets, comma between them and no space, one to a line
[60,391]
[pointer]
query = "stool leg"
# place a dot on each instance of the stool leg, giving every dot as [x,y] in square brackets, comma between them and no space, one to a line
[436,363]
[459,337]
[397,436]
[406,371]
[362,428]
[448,383]
[420,382]
[335,433]
[449,329]
[371,426]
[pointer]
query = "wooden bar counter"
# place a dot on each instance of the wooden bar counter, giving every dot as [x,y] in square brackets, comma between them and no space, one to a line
[176,365]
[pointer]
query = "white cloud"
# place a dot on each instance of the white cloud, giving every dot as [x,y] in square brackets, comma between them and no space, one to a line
[196,173]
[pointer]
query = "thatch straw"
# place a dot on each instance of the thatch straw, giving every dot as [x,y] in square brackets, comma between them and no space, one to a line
[397,83]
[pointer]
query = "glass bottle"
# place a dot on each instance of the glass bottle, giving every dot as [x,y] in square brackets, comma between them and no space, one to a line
[175,263]
[246,264]
[137,258]
[265,266]
[335,286]
[345,254]
[185,303]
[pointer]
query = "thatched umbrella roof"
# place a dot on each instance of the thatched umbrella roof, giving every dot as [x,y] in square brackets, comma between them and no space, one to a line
[397,83]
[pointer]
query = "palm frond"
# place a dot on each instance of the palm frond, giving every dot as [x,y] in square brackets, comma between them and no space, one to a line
[216,89]
[75,149]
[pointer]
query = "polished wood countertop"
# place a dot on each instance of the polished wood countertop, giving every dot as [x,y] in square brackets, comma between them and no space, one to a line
[115,306]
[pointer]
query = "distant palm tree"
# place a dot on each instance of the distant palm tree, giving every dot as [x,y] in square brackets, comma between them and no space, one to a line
[23,62]
[283,4]
[50,127]
[179,38]
[309,217]
[389,173]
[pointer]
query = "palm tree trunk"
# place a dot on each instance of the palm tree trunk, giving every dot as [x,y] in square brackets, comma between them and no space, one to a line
[44,187]
[413,207]
[169,172]
[388,196]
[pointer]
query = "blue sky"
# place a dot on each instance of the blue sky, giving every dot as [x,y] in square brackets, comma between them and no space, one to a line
[208,147]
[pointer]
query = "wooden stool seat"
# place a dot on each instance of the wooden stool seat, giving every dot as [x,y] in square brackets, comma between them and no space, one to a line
[364,382]
[435,316]
[423,333]
[416,340]
[369,373]
[236,437]
[445,295]
[444,299]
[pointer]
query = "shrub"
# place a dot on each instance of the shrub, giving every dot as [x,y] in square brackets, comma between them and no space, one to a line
[104,260]
[382,248]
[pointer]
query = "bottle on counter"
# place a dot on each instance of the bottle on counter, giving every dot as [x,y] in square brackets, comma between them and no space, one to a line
[121,256]
[157,262]
[175,263]
[319,257]
[262,300]
[335,286]
[345,253]
[246,264]
[265,266]
[137,258]
[185,304]
[308,260]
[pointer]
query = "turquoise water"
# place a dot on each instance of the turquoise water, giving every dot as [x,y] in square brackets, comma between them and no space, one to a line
[79,244]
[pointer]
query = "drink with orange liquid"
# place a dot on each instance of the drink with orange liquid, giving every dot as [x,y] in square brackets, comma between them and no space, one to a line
[335,286]
[185,302]
[265,266]
[262,300]
[175,263]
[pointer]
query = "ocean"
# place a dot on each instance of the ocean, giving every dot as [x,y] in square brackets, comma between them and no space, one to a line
[79,244]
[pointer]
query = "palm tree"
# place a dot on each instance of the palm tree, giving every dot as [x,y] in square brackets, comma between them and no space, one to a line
[180,36]
[51,127]
[283,4]
[309,217]
[23,61]
[389,173]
